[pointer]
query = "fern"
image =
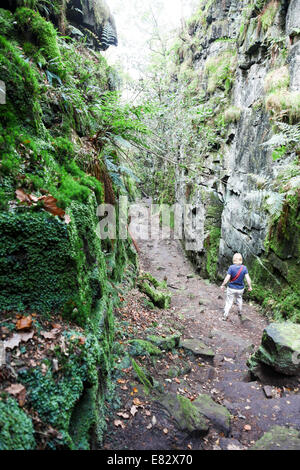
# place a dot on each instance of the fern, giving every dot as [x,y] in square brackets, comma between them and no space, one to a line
[275,203]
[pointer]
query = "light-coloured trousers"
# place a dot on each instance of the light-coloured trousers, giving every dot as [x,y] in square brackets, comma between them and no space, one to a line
[231,295]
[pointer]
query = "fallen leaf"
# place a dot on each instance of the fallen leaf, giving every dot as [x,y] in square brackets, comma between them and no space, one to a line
[24,323]
[50,206]
[247,427]
[135,390]
[67,219]
[123,415]
[119,423]
[18,391]
[22,196]
[165,430]
[16,339]
[149,426]
[148,413]
[154,420]
[176,380]
[133,410]
[50,334]
[121,381]
[137,401]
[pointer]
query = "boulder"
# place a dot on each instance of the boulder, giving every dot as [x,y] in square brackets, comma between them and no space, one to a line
[185,413]
[279,438]
[167,343]
[140,347]
[279,349]
[197,347]
[217,414]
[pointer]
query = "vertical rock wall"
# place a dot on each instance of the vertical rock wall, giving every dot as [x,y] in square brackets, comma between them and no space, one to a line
[244,58]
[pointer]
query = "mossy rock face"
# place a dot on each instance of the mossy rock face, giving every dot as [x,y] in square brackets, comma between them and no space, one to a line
[167,343]
[279,438]
[280,349]
[217,414]
[197,347]
[157,291]
[17,431]
[140,347]
[186,414]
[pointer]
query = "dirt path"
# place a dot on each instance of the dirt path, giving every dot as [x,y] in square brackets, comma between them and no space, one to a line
[196,311]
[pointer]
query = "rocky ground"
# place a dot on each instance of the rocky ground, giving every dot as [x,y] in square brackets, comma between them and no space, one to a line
[235,410]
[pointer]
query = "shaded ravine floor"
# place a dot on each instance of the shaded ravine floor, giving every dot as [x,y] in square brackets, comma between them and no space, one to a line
[196,310]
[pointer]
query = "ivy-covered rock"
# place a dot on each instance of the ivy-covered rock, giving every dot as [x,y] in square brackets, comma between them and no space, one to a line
[16,429]
[279,349]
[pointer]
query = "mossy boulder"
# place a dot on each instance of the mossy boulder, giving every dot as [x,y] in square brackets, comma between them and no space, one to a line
[197,347]
[185,413]
[140,347]
[157,291]
[278,438]
[167,343]
[217,414]
[279,349]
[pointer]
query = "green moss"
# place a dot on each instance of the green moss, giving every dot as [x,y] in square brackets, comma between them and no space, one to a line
[143,377]
[17,431]
[284,104]
[140,347]
[22,88]
[6,22]
[212,252]
[268,16]
[277,79]
[232,114]
[54,397]
[155,290]
[220,70]
[34,258]
[44,35]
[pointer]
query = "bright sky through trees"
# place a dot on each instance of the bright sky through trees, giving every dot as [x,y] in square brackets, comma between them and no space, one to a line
[136,21]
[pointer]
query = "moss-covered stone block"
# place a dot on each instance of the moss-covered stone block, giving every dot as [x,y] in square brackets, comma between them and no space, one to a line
[185,413]
[279,349]
[217,414]
[155,290]
[140,347]
[167,343]
[197,347]
[279,438]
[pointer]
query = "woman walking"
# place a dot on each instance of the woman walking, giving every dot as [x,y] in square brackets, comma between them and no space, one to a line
[235,274]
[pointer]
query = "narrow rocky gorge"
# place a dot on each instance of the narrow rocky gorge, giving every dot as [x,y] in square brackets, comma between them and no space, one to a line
[204,395]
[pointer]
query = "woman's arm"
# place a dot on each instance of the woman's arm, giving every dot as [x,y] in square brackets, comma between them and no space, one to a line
[227,278]
[247,277]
